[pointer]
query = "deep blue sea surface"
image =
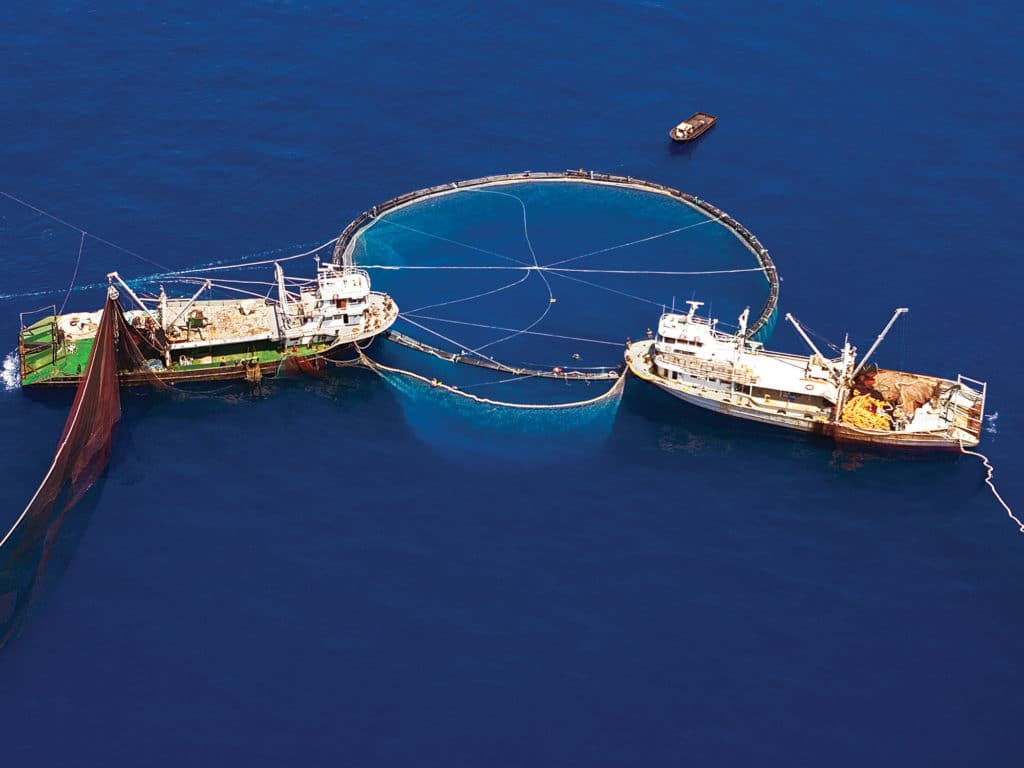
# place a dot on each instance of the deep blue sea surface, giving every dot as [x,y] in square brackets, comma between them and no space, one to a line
[358,571]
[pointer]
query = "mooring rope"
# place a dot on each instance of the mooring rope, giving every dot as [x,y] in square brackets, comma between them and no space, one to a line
[988,481]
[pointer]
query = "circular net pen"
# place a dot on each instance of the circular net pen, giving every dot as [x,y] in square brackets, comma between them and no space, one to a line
[522,289]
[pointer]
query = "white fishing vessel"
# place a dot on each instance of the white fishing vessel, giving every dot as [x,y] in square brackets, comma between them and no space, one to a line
[841,397]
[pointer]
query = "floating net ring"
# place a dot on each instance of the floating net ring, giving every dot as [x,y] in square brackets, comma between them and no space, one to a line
[544,276]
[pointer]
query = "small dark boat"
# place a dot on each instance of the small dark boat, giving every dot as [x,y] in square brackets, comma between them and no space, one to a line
[692,127]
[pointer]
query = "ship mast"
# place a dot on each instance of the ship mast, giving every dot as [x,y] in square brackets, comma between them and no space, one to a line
[114,276]
[282,293]
[897,313]
[807,339]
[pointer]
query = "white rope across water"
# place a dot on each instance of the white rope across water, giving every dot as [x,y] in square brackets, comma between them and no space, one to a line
[221,286]
[610,290]
[463,347]
[634,242]
[448,240]
[243,264]
[536,264]
[988,481]
[528,269]
[513,284]
[528,333]
[167,275]
[81,231]
[543,268]
[657,271]
[471,267]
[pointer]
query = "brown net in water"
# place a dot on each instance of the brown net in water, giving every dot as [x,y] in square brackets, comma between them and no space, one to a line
[81,457]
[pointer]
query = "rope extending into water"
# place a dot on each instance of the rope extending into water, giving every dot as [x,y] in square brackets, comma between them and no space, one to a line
[81,231]
[78,262]
[988,481]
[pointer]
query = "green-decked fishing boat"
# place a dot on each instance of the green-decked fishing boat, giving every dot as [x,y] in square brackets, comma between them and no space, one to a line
[191,339]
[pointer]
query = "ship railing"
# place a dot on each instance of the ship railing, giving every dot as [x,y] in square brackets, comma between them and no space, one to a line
[723,371]
[26,346]
[965,407]
[52,309]
[358,271]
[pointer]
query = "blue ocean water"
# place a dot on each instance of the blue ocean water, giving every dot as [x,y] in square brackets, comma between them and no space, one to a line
[355,572]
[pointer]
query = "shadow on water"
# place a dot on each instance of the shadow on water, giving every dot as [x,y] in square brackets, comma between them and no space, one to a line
[681,428]
[458,428]
[517,426]
[687,149]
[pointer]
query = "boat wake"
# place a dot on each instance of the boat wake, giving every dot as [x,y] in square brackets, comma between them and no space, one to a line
[9,374]
[990,423]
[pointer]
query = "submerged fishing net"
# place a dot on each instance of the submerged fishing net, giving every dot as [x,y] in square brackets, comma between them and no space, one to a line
[82,454]
[522,290]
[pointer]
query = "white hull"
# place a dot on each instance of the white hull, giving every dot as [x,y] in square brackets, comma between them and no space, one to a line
[726,374]
[743,408]
[777,412]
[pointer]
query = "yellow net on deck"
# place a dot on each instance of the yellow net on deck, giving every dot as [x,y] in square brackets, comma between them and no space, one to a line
[866,412]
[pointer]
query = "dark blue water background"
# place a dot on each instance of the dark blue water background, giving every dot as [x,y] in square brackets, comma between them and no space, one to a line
[356,572]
